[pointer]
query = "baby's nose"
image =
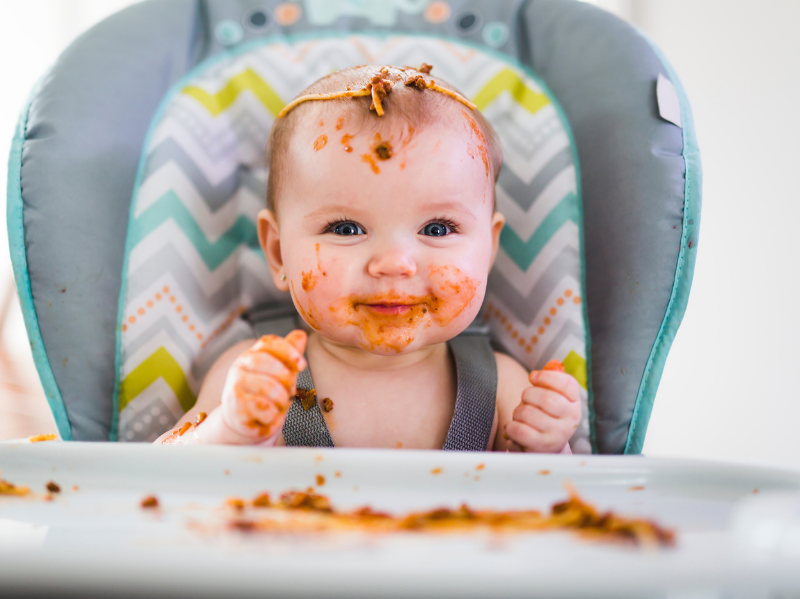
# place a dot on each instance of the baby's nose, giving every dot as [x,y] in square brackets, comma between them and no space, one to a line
[393,262]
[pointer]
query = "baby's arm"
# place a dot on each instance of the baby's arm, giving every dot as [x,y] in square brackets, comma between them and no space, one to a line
[537,412]
[246,394]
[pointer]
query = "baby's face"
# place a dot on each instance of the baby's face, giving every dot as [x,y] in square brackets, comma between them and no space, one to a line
[389,255]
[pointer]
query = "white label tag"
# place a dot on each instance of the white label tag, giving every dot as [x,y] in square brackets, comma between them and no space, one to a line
[669,106]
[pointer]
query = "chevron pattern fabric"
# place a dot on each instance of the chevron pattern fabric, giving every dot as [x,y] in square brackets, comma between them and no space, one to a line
[194,264]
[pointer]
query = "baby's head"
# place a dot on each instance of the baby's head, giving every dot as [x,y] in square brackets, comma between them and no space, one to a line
[382,228]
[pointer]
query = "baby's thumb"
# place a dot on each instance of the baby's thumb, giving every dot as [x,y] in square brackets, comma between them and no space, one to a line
[298,340]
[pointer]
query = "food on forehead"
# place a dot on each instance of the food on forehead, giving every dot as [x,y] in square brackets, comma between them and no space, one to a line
[575,514]
[320,142]
[383,150]
[380,86]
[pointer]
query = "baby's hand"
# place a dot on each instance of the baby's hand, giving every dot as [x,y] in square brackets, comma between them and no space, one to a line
[549,412]
[260,385]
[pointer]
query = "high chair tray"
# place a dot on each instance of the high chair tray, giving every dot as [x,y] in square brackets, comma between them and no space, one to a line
[95,540]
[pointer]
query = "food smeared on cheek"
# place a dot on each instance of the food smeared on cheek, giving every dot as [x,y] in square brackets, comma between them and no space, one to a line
[309,280]
[481,141]
[320,142]
[309,313]
[453,292]
[346,142]
[319,263]
[371,162]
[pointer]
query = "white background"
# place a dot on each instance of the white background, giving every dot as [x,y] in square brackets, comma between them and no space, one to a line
[729,387]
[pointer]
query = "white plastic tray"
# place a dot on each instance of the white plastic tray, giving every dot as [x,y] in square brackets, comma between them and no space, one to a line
[97,541]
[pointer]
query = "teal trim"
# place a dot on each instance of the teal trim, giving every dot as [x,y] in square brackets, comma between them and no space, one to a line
[15,208]
[294,38]
[684,271]
[523,253]
[169,207]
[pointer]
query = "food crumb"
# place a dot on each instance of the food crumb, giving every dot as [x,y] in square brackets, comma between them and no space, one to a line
[235,503]
[310,490]
[38,438]
[338,474]
[425,68]
[581,463]
[307,397]
[399,445]
[53,487]
[544,472]
[383,150]
[320,480]
[436,471]
[227,473]
[149,502]
[506,437]
[75,487]
[636,488]
[477,477]
[262,500]
[327,404]
[7,488]
[480,466]
[755,491]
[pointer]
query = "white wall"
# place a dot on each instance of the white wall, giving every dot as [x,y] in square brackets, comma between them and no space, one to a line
[728,389]
[730,385]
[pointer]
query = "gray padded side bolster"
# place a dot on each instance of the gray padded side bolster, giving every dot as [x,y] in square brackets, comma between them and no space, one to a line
[85,133]
[604,75]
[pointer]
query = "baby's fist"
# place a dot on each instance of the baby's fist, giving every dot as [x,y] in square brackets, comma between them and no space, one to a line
[549,412]
[261,383]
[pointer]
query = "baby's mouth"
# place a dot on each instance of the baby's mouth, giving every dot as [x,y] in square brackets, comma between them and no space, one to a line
[390,308]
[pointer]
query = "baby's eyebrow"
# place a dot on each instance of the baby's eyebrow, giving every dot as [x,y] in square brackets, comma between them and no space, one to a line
[449,206]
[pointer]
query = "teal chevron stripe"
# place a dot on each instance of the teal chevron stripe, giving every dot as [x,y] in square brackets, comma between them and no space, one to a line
[169,206]
[523,253]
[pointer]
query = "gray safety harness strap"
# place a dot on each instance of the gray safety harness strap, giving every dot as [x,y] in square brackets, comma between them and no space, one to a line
[306,428]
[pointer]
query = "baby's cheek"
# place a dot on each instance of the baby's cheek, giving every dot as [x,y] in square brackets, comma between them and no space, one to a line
[454,292]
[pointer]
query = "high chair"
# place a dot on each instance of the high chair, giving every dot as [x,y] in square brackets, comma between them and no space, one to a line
[137,170]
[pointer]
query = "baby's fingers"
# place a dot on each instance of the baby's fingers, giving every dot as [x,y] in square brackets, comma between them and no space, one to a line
[550,402]
[560,382]
[265,364]
[250,385]
[283,350]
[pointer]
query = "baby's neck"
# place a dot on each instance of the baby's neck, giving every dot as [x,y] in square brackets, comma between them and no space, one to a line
[360,359]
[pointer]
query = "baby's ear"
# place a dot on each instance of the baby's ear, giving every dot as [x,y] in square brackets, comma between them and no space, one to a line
[498,221]
[269,237]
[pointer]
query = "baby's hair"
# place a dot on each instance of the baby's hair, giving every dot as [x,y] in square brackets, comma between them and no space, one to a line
[373,97]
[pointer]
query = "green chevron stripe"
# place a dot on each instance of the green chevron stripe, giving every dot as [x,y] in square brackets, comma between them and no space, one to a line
[160,364]
[247,79]
[169,206]
[508,80]
[576,366]
[523,253]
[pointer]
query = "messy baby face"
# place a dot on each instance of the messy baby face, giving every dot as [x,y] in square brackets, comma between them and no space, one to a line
[385,237]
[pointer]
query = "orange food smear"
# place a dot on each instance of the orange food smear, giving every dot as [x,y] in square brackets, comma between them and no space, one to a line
[554,365]
[451,293]
[309,280]
[482,145]
[436,471]
[39,438]
[339,123]
[308,314]
[346,142]
[320,142]
[371,161]
[320,480]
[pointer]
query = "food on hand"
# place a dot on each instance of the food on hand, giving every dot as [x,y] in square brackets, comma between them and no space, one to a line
[554,365]
[261,384]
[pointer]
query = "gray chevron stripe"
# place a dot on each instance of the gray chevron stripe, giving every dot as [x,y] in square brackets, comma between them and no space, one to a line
[168,260]
[162,325]
[214,196]
[253,179]
[525,308]
[525,142]
[569,328]
[525,194]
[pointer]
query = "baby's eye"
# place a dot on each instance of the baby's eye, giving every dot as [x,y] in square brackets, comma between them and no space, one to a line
[436,230]
[347,228]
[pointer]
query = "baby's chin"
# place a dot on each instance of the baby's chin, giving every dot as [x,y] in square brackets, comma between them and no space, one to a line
[388,340]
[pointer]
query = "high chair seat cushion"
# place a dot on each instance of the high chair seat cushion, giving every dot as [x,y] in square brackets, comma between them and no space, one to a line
[85,140]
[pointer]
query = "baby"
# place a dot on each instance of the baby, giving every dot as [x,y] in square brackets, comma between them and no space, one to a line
[381,224]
